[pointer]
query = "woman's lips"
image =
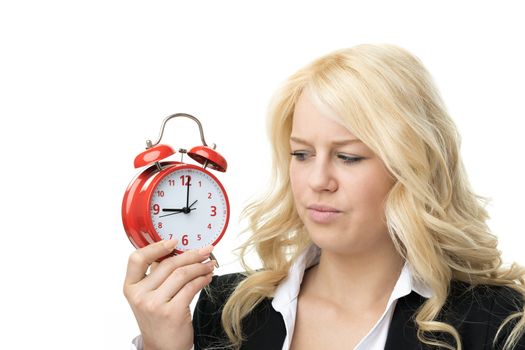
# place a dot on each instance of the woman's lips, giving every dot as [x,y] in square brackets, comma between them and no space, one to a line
[322,214]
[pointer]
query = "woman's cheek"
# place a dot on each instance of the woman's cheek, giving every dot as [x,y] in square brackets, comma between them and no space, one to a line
[295,181]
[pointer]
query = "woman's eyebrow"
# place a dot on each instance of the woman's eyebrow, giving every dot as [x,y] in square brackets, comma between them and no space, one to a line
[335,143]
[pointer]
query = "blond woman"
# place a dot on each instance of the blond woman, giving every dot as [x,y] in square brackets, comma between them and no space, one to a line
[370,237]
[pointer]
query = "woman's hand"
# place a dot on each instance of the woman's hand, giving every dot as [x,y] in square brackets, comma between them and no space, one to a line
[161,300]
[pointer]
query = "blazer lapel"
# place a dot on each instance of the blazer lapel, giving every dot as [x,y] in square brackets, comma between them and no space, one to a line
[402,331]
[264,328]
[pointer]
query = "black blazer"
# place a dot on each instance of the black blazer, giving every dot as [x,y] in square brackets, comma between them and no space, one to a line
[475,312]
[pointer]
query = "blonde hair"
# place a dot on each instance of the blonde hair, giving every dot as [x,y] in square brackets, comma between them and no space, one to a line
[386,98]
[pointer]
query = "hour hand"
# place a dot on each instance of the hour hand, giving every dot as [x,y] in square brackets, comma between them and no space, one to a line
[173,210]
[177,211]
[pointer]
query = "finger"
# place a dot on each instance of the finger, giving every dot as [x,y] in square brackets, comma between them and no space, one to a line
[182,276]
[167,266]
[153,266]
[142,258]
[190,289]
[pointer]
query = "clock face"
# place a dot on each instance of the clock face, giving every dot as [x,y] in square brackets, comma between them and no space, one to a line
[190,205]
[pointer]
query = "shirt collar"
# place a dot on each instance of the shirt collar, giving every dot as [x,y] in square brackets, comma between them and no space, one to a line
[288,289]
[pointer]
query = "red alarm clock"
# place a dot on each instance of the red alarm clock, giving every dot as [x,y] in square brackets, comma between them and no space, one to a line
[176,200]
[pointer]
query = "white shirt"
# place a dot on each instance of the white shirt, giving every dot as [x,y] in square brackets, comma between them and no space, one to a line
[285,301]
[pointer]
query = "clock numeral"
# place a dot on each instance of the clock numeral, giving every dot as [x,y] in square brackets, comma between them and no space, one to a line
[171,182]
[209,226]
[160,193]
[156,209]
[171,235]
[209,195]
[200,183]
[188,180]
[213,210]
[159,225]
[199,237]
[185,240]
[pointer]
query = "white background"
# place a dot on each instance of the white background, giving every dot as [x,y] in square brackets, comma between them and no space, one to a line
[84,84]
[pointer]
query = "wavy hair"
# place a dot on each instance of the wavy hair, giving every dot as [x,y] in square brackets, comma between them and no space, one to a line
[387,99]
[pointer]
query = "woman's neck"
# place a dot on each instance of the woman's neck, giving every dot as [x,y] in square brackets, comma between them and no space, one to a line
[355,282]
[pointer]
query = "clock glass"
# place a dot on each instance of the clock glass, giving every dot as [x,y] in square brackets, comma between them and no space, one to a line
[189,204]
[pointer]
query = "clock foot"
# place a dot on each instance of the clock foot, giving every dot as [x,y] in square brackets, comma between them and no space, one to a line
[214,258]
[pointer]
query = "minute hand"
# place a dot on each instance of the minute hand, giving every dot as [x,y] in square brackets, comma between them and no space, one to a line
[188,194]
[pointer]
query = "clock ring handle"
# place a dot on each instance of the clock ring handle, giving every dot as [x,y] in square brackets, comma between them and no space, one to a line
[150,144]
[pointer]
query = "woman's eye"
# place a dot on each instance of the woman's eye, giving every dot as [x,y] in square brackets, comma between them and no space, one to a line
[300,156]
[349,160]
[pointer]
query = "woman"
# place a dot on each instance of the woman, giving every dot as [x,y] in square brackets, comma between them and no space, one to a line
[371,237]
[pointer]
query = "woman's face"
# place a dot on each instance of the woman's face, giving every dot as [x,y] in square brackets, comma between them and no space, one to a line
[338,183]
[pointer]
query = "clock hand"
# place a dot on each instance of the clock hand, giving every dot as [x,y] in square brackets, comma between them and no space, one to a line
[170,209]
[178,211]
[188,193]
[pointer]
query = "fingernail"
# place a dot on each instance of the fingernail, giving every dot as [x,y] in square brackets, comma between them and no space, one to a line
[206,250]
[170,244]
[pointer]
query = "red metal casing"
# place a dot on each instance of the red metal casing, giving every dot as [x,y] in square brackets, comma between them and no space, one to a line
[135,204]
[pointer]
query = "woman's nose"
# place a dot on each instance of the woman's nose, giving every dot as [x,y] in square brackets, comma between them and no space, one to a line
[322,177]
